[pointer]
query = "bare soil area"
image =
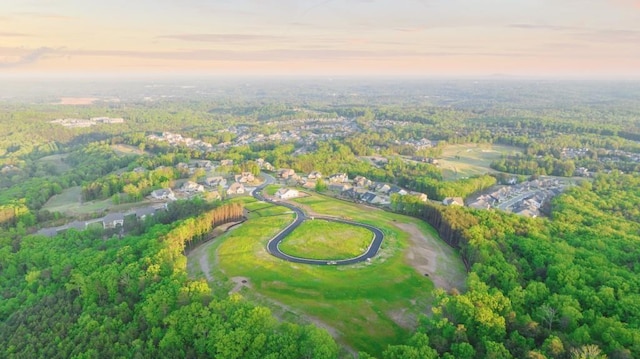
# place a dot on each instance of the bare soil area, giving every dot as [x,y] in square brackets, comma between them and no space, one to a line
[432,257]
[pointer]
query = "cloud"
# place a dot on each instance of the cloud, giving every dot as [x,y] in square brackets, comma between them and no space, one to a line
[43,15]
[221,37]
[13,34]
[543,27]
[29,58]
[612,36]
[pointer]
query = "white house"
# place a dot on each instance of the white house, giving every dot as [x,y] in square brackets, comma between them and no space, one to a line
[236,188]
[287,193]
[163,193]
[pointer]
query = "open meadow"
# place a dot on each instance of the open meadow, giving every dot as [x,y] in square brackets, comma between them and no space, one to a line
[465,160]
[70,203]
[365,306]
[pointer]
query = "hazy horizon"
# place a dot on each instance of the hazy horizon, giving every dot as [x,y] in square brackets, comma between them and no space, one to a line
[426,38]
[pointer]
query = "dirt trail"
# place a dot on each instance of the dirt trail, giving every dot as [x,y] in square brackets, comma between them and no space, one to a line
[431,256]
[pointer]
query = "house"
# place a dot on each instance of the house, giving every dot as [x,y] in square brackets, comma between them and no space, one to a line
[361,181]
[315,175]
[206,164]
[215,181]
[235,188]
[113,220]
[309,184]
[453,201]
[421,196]
[339,178]
[397,190]
[338,187]
[287,193]
[163,193]
[353,193]
[373,198]
[382,188]
[190,187]
[226,163]
[480,203]
[245,177]
[286,173]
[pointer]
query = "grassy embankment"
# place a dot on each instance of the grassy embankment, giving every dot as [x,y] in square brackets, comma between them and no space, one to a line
[368,305]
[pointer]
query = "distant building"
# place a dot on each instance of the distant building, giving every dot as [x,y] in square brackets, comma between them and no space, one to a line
[113,220]
[339,178]
[235,188]
[453,201]
[287,193]
[190,187]
[164,193]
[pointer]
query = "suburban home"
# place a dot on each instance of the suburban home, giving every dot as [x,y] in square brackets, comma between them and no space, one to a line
[338,187]
[480,203]
[373,198]
[206,164]
[287,193]
[215,181]
[286,173]
[382,188]
[113,220]
[353,193]
[339,178]
[421,196]
[309,184]
[191,187]
[397,190]
[226,163]
[361,181]
[453,201]
[163,193]
[315,175]
[235,188]
[245,177]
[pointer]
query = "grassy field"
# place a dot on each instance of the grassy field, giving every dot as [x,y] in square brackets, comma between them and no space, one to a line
[461,161]
[367,306]
[69,202]
[272,189]
[56,160]
[320,239]
[123,150]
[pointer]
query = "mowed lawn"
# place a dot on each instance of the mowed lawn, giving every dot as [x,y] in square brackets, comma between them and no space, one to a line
[319,239]
[369,305]
[69,202]
[465,160]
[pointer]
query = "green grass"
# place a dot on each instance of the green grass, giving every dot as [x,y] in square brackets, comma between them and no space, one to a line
[460,161]
[271,189]
[69,202]
[361,302]
[123,150]
[319,239]
[57,161]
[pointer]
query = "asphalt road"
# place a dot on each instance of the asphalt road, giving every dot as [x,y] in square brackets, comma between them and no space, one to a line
[274,243]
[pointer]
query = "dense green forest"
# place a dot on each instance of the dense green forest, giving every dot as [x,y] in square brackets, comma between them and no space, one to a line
[566,286]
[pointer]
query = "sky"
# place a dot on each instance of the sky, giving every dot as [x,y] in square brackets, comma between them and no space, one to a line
[583,38]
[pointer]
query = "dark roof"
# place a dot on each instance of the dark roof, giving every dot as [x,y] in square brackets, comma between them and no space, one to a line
[368,197]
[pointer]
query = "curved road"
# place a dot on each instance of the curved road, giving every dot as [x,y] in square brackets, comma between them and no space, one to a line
[274,243]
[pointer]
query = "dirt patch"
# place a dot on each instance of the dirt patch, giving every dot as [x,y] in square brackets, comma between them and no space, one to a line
[430,259]
[403,318]
[240,282]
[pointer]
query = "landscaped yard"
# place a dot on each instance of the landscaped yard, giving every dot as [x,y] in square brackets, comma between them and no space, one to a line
[366,306]
[461,161]
[319,239]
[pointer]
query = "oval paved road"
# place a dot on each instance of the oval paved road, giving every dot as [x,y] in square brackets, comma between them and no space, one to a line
[273,245]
